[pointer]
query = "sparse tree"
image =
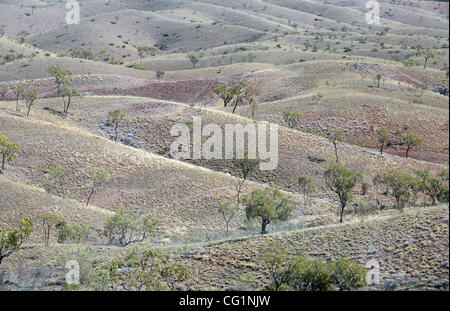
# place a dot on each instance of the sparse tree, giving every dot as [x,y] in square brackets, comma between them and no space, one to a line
[400,183]
[342,181]
[60,75]
[309,275]
[225,93]
[347,275]
[30,97]
[228,210]
[12,240]
[17,91]
[48,221]
[383,138]
[278,264]
[243,92]
[411,141]
[379,76]
[307,186]
[300,273]
[175,273]
[242,170]
[268,205]
[431,185]
[146,50]
[426,54]
[127,228]
[335,136]
[237,92]
[97,178]
[116,117]
[8,150]
[66,92]
[194,58]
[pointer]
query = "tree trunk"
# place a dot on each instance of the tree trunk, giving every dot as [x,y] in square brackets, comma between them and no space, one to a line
[378,83]
[90,195]
[425,64]
[29,109]
[235,106]
[67,106]
[3,162]
[17,104]
[264,223]
[381,149]
[407,151]
[342,212]
[336,152]
[115,131]
[433,198]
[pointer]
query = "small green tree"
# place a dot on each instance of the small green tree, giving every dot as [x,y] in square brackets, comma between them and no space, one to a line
[18,92]
[335,136]
[146,50]
[411,141]
[48,221]
[116,117]
[63,230]
[307,186]
[379,76]
[225,93]
[342,181]
[30,96]
[292,118]
[8,150]
[12,240]
[268,205]
[174,273]
[383,138]
[300,273]
[242,170]
[67,92]
[194,58]
[127,228]
[59,74]
[243,93]
[431,185]
[278,264]
[347,275]
[228,210]
[426,54]
[141,270]
[97,178]
[400,183]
